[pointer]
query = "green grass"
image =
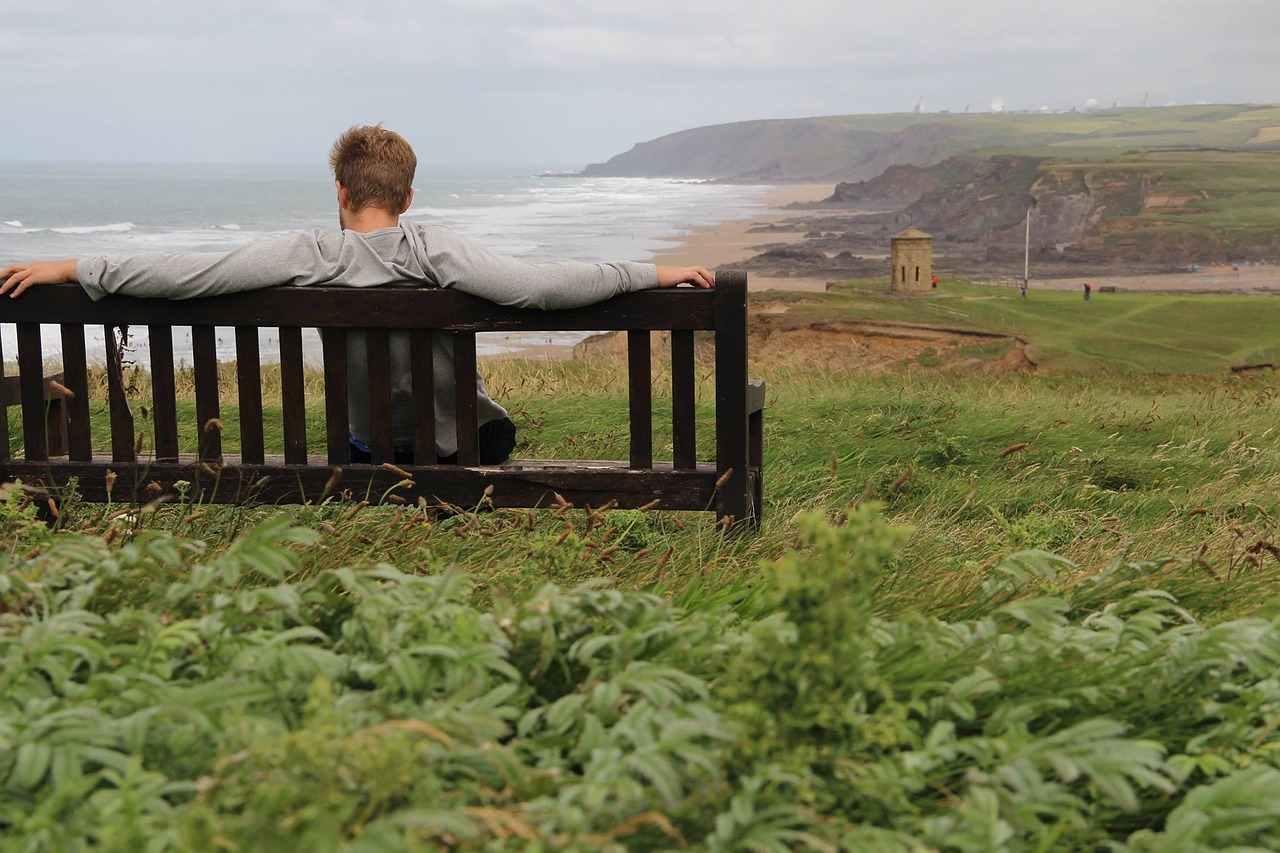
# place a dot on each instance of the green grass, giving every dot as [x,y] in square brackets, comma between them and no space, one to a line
[1113,332]
[1212,126]
[1111,457]
[897,660]
[361,678]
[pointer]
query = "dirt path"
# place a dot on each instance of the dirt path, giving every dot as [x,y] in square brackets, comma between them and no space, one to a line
[1250,279]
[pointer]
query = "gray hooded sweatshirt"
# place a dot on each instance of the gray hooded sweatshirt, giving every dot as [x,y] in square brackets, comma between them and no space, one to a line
[431,255]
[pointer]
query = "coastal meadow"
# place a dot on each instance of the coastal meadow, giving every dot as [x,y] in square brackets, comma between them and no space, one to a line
[982,613]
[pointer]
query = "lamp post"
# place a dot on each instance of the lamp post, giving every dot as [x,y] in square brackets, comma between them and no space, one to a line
[1026,254]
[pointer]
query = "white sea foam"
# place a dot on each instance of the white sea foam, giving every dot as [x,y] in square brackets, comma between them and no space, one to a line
[510,213]
[94,229]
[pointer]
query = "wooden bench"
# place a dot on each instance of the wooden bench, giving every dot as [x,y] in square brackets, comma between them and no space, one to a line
[730,485]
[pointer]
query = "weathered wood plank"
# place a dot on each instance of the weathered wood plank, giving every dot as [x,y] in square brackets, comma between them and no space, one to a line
[384,307]
[249,391]
[422,363]
[31,381]
[293,395]
[164,394]
[640,397]
[204,352]
[4,414]
[464,365]
[535,485]
[378,348]
[336,425]
[121,416]
[684,417]
[755,440]
[732,503]
[75,379]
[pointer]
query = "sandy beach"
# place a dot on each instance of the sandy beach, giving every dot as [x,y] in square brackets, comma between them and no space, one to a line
[720,246]
[1224,279]
[726,243]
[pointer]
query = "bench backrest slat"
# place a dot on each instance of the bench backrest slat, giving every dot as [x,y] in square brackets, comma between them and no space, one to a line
[204,352]
[334,342]
[75,377]
[422,364]
[164,397]
[293,395]
[117,399]
[4,413]
[249,394]
[31,381]
[640,396]
[378,348]
[683,416]
[466,417]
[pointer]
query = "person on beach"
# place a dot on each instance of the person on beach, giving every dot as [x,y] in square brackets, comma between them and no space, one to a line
[373,174]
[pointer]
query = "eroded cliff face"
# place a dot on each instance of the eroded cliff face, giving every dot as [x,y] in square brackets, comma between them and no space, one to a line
[1078,211]
[1083,215]
[1070,205]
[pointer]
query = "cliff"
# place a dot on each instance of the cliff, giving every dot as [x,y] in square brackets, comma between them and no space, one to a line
[1149,209]
[859,147]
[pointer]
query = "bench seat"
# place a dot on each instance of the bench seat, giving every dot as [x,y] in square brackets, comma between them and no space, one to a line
[517,483]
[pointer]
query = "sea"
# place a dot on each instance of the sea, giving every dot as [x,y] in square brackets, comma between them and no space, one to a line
[72,210]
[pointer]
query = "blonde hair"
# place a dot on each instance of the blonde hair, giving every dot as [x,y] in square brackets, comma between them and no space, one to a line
[376,166]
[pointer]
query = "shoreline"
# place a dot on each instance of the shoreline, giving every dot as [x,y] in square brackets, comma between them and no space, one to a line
[731,241]
[725,243]
[720,244]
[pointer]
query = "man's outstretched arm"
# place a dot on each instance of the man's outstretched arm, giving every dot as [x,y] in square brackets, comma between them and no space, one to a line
[298,259]
[16,278]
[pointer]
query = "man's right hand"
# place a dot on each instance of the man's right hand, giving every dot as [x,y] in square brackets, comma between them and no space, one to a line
[16,278]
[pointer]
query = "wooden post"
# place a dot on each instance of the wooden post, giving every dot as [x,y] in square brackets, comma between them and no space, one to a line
[732,499]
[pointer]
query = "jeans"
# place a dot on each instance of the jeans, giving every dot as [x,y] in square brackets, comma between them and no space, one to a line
[497,440]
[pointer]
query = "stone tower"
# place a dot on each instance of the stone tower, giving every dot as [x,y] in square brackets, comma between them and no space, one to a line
[912,261]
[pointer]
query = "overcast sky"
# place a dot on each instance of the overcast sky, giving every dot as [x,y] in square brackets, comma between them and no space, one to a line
[577,81]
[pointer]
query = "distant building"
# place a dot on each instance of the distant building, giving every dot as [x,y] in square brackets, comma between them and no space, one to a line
[912,256]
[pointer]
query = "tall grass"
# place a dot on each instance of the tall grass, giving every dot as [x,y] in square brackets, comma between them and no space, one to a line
[1010,613]
[1087,467]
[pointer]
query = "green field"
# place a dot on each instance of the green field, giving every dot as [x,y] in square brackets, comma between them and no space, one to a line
[1114,332]
[1022,612]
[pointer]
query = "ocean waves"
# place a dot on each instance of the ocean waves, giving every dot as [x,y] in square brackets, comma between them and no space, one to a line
[61,211]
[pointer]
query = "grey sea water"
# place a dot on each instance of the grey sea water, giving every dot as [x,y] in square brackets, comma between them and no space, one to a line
[68,210]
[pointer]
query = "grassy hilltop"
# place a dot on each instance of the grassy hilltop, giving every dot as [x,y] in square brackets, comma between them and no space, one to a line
[859,147]
[1115,333]
[986,611]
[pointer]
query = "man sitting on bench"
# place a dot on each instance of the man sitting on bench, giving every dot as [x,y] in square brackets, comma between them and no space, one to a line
[373,171]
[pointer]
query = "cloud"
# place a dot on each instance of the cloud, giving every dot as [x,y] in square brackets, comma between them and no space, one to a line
[574,80]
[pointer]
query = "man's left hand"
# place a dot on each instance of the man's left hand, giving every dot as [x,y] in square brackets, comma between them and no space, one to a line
[697,276]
